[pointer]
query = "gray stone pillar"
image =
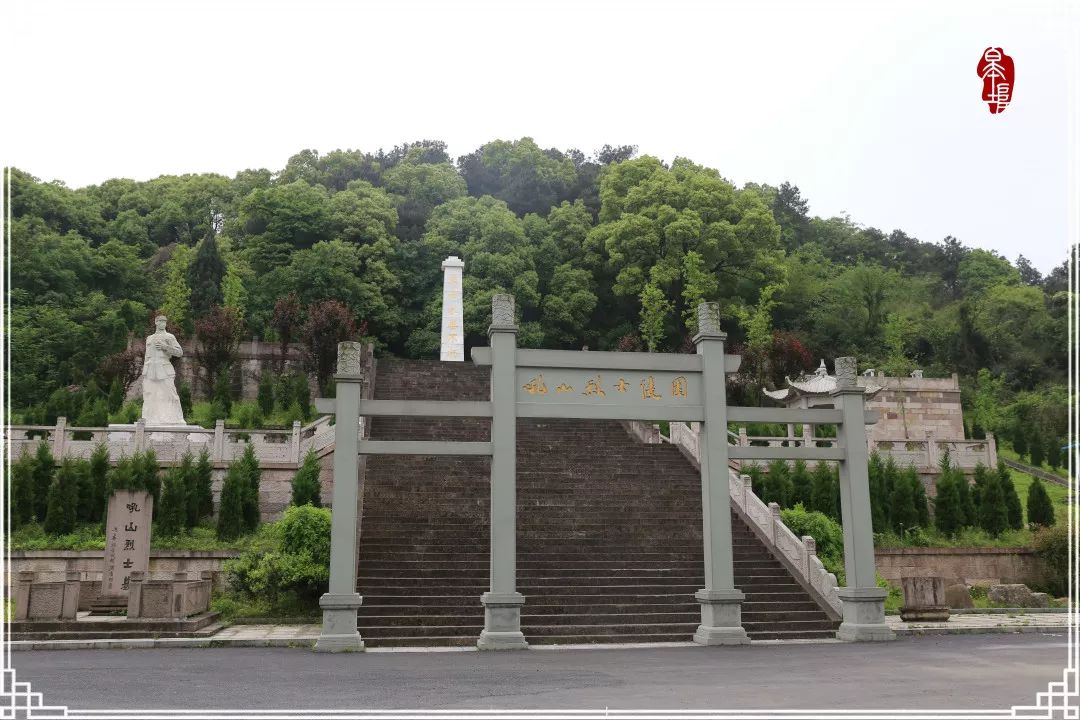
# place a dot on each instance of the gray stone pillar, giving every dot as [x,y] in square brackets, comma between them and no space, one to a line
[341,603]
[22,594]
[140,435]
[502,603]
[135,585]
[863,601]
[69,608]
[217,454]
[294,448]
[59,439]
[721,620]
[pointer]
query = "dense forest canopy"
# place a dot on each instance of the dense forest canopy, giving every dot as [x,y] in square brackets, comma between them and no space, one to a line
[609,251]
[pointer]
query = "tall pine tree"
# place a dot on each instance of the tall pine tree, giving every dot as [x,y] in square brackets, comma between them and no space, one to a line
[1040,508]
[1012,500]
[204,277]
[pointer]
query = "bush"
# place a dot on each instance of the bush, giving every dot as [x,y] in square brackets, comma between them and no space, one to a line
[801,484]
[148,473]
[1019,442]
[879,501]
[171,514]
[825,491]
[248,415]
[1052,546]
[1040,508]
[283,391]
[1053,453]
[977,431]
[918,493]
[222,394]
[116,395]
[904,514]
[778,483]
[184,391]
[993,512]
[63,499]
[1037,453]
[294,574]
[827,534]
[265,397]
[302,394]
[948,507]
[305,485]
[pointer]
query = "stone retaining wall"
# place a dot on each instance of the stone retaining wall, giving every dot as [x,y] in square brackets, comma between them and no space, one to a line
[974,566]
[52,566]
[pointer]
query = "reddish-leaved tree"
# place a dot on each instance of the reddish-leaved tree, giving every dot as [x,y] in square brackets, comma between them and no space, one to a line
[286,321]
[328,323]
[218,336]
[125,366]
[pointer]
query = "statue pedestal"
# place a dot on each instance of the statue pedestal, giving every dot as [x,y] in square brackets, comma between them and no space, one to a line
[158,433]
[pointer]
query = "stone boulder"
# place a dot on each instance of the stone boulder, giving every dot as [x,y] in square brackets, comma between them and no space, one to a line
[1016,595]
[957,595]
[924,599]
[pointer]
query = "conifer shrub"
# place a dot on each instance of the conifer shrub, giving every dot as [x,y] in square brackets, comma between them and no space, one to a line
[149,473]
[1019,442]
[879,501]
[825,490]
[186,471]
[116,395]
[993,511]
[1053,453]
[802,484]
[779,483]
[62,502]
[252,475]
[171,515]
[1039,506]
[1038,455]
[305,485]
[222,395]
[757,479]
[918,494]
[977,431]
[283,391]
[21,474]
[948,506]
[43,470]
[99,482]
[902,505]
[184,391]
[1013,507]
[302,395]
[230,524]
[265,396]
[203,499]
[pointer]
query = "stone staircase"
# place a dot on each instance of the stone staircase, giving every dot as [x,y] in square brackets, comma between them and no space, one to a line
[609,533]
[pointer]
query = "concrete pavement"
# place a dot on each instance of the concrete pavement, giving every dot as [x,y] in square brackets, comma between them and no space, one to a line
[978,671]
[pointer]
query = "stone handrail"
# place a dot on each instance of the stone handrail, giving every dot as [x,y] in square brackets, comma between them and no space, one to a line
[171,444]
[798,554]
[1036,472]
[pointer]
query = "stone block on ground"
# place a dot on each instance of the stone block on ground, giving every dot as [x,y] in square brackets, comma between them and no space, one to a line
[924,599]
[1016,595]
[957,595]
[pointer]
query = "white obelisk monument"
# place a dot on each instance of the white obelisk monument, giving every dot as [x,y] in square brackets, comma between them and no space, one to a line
[453,324]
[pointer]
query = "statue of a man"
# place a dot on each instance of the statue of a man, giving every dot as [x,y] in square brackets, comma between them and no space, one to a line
[161,404]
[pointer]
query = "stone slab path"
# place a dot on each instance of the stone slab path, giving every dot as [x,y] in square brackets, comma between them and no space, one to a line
[303,636]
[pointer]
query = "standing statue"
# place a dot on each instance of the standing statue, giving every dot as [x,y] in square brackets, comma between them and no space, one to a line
[161,404]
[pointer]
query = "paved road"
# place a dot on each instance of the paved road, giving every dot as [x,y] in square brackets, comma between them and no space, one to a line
[982,671]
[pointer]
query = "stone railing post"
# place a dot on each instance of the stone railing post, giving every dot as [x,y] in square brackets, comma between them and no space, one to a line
[69,609]
[863,601]
[809,550]
[22,594]
[59,438]
[294,450]
[140,435]
[991,450]
[743,442]
[721,602]
[775,522]
[933,452]
[502,602]
[135,585]
[747,489]
[341,603]
[808,435]
[217,453]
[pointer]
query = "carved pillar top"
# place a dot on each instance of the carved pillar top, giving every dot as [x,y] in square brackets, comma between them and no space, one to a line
[845,372]
[502,313]
[350,358]
[708,320]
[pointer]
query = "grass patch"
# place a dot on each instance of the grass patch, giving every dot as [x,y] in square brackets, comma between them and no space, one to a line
[241,416]
[92,537]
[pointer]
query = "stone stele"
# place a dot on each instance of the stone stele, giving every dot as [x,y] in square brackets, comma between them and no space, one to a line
[127,544]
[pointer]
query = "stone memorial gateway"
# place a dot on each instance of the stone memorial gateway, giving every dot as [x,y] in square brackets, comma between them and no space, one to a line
[603,386]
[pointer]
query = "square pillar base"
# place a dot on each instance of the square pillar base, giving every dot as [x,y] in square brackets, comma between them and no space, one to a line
[502,622]
[864,615]
[339,633]
[721,618]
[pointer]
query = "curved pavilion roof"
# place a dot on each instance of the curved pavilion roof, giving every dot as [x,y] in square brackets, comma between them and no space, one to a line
[819,382]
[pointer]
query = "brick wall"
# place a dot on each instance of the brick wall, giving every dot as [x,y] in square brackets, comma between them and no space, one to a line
[974,566]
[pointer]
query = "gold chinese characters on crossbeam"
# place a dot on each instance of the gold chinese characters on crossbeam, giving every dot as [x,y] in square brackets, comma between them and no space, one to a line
[595,386]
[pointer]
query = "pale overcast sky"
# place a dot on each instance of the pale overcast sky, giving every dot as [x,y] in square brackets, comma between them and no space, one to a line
[872,109]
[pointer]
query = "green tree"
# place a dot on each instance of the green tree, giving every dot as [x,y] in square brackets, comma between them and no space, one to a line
[918,494]
[265,395]
[177,301]
[879,500]
[147,473]
[170,514]
[305,485]
[116,395]
[993,510]
[948,505]
[1039,506]
[201,502]
[63,498]
[655,312]
[780,485]
[1053,452]
[23,484]
[223,391]
[904,514]
[1012,500]
[44,468]
[1037,454]
[204,277]
[826,490]
[234,490]
[252,475]
[1019,442]
[802,484]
